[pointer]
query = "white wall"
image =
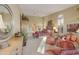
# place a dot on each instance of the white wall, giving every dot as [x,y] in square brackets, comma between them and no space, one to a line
[15,17]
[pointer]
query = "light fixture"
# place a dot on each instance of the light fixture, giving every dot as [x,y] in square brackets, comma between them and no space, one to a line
[77,31]
[55,29]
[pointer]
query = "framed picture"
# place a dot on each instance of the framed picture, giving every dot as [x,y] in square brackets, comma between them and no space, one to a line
[72,27]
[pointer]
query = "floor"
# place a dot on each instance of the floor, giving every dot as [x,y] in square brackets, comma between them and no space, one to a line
[32,46]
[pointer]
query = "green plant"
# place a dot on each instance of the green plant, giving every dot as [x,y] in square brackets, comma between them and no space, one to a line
[24,34]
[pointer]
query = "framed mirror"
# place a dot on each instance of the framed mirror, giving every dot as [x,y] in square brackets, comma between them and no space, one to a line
[5,22]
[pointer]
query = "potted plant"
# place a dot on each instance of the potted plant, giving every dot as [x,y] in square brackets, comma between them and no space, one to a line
[24,34]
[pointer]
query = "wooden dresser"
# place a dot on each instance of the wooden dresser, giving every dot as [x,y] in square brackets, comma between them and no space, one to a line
[15,47]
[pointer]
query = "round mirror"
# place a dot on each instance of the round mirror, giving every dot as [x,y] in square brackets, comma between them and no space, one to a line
[5,22]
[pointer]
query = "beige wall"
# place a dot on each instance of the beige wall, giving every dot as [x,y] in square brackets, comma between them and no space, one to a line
[33,20]
[71,15]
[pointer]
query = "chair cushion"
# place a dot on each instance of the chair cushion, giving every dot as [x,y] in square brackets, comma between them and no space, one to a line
[66,45]
[55,51]
[50,41]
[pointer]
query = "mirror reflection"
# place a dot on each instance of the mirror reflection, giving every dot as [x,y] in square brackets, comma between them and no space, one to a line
[5,21]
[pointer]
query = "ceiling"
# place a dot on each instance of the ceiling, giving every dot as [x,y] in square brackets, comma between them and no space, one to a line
[42,9]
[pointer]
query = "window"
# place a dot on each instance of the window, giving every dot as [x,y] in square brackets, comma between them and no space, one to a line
[60,20]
